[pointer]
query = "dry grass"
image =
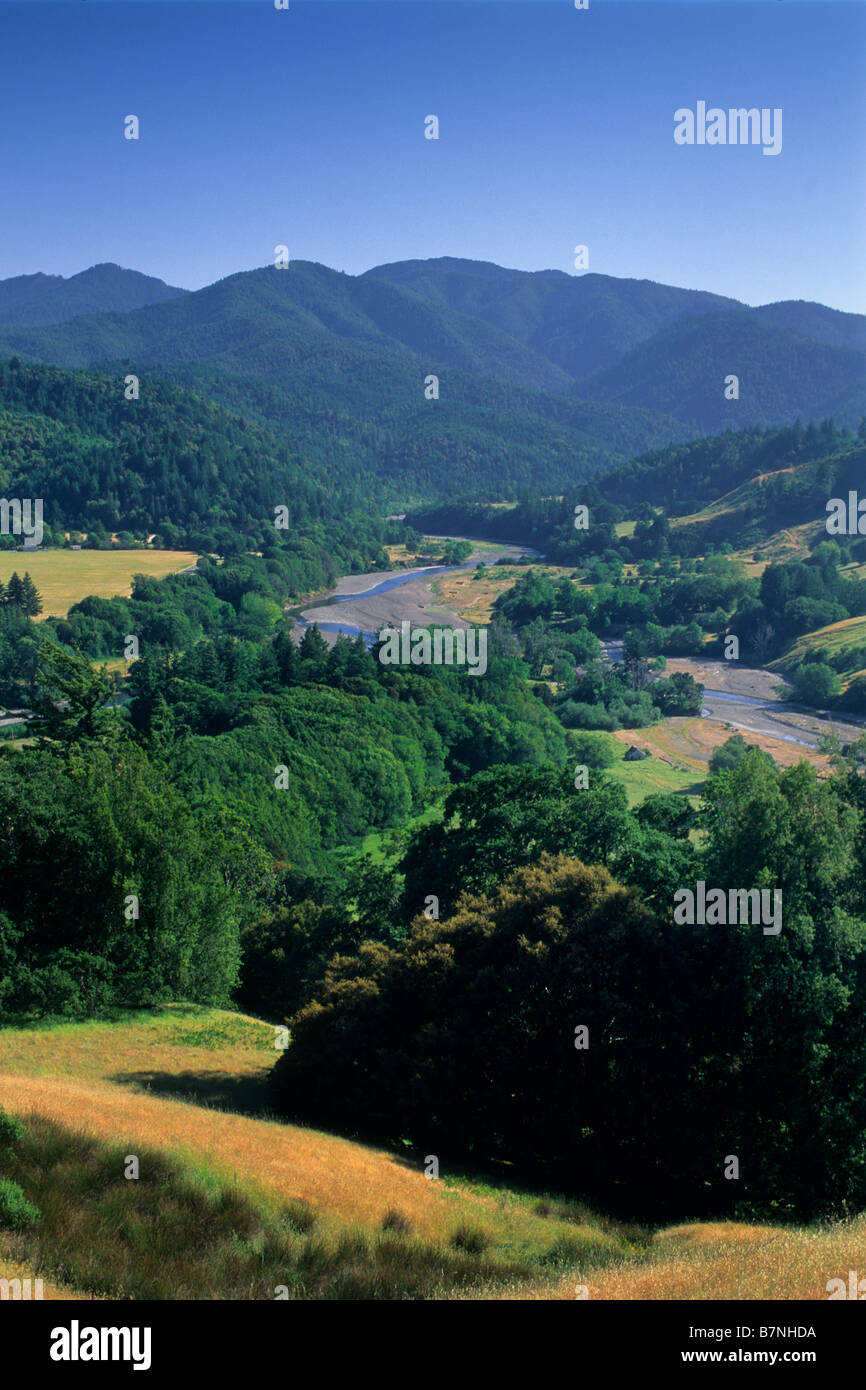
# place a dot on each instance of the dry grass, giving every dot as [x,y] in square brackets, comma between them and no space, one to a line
[350,1183]
[92,1079]
[688,744]
[473,599]
[157,1079]
[64,577]
[12,1268]
[725,1260]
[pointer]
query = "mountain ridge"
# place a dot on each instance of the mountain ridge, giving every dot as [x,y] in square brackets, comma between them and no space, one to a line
[542,378]
[43,299]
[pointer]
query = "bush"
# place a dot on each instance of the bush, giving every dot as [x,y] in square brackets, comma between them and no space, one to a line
[11,1128]
[575,714]
[816,684]
[593,750]
[729,755]
[15,1210]
[470,1239]
[394,1220]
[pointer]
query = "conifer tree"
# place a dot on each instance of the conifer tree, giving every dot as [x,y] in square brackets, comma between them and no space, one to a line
[15,591]
[32,603]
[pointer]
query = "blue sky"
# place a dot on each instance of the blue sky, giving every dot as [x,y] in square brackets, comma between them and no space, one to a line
[306,127]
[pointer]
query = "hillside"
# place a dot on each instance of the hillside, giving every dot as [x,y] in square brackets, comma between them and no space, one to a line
[545,379]
[783,375]
[339,1219]
[582,323]
[105,288]
[172,462]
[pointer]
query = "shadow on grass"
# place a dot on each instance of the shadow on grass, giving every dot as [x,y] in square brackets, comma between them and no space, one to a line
[214,1090]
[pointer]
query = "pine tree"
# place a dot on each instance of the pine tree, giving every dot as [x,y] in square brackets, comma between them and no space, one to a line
[313,652]
[15,591]
[32,603]
[288,659]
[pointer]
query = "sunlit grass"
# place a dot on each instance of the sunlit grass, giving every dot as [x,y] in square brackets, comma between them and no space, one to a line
[248,1196]
[64,577]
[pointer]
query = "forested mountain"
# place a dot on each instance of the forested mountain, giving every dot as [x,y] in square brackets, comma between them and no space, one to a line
[824,325]
[545,379]
[781,375]
[582,323]
[744,486]
[171,463]
[105,288]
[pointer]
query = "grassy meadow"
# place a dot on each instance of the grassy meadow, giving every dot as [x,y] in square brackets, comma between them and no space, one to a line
[832,639]
[231,1203]
[64,577]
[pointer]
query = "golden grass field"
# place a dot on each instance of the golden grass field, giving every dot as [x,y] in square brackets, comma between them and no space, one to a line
[727,1260]
[687,743]
[64,577]
[189,1082]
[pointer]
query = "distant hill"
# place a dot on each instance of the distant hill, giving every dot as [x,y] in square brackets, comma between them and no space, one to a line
[106,288]
[782,375]
[815,321]
[545,379]
[172,463]
[738,488]
[582,323]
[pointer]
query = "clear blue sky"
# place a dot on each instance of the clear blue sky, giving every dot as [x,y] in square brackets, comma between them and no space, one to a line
[307,127]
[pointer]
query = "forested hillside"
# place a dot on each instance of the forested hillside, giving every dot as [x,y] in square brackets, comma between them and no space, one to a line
[543,379]
[736,488]
[171,463]
[106,288]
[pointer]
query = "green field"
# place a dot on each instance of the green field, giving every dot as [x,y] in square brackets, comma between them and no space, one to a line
[649,776]
[64,577]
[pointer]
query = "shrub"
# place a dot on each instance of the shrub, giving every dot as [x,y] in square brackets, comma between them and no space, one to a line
[593,750]
[470,1239]
[815,684]
[15,1210]
[394,1220]
[11,1128]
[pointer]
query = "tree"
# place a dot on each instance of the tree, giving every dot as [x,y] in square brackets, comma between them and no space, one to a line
[71,698]
[464,1036]
[117,888]
[729,755]
[816,684]
[31,602]
[15,593]
[506,817]
[313,653]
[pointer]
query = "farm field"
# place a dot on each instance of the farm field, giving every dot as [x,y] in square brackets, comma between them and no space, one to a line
[184,1087]
[681,748]
[64,577]
[656,774]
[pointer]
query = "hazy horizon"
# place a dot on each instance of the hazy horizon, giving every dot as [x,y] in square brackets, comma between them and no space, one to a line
[247,270]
